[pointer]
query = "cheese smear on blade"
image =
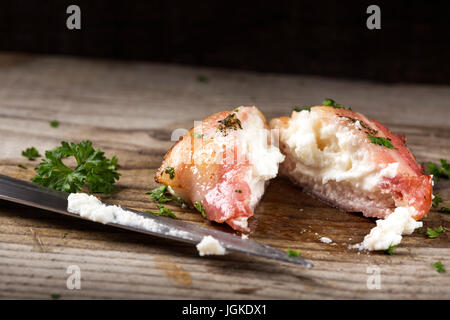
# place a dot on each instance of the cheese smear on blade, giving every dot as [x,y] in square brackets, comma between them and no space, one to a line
[210,246]
[91,208]
[389,231]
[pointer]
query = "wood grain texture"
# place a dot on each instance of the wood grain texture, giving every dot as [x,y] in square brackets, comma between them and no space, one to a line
[130,110]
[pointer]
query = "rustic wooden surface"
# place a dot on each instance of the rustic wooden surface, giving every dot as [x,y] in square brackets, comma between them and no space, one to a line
[130,110]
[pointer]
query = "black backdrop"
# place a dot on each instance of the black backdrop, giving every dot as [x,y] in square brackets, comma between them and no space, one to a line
[309,37]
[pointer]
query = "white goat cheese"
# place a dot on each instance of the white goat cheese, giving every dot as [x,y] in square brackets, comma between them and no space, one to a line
[209,246]
[389,231]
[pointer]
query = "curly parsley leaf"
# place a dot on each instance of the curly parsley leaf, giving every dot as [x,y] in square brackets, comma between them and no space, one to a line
[438,172]
[199,206]
[331,103]
[31,153]
[439,267]
[93,169]
[386,142]
[436,232]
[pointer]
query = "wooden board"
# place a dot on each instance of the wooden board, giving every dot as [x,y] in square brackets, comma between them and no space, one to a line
[130,110]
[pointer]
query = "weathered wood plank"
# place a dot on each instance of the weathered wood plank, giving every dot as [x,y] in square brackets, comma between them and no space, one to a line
[130,110]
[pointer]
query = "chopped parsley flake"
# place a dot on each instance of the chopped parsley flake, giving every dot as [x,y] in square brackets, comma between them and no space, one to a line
[197,135]
[434,233]
[386,142]
[22,166]
[163,211]
[163,195]
[298,109]
[55,296]
[202,78]
[170,171]
[390,250]
[439,172]
[199,206]
[444,209]
[238,190]
[236,110]
[331,103]
[293,253]
[436,200]
[439,267]
[54,124]
[31,153]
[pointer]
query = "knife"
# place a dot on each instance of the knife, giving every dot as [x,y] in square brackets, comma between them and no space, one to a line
[33,195]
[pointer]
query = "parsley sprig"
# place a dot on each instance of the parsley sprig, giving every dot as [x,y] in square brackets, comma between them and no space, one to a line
[93,169]
[438,172]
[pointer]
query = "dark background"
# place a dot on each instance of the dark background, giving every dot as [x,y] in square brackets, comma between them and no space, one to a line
[327,38]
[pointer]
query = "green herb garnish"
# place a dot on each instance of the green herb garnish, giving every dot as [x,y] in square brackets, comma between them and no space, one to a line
[93,169]
[202,78]
[31,153]
[55,296]
[386,142]
[331,103]
[22,166]
[197,135]
[439,267]
[170,171]
[439,172]
[436,232]
[444,209]
[436,200]
[293,253]
[163,211]
[54,124]
[298,109]
[199,206]
[390,250]
[236,110]
[238,190]
[163,195]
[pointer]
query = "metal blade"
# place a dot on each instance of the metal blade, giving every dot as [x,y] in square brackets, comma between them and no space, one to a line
[37,196]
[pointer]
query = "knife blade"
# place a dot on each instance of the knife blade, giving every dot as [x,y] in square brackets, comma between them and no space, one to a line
[33,195]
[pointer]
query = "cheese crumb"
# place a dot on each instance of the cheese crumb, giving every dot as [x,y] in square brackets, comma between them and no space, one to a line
[244,236]
[326,240]
[210,246]
[389,231]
